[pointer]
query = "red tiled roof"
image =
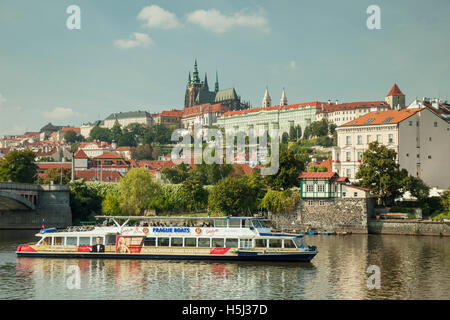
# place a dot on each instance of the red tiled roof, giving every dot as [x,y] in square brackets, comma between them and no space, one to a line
[108,155]
[123,149]
[325,163]
[317,175]
[93,175]
[288,107]
[352,106]
[342,179]
[395,91]
[204,108]
[170,113]
[100,144]
[80,154]
[49,165]
[381,117]
[71,129]
[365,189]
[155,164]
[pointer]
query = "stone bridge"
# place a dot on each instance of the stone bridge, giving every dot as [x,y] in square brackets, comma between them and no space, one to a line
[25,206]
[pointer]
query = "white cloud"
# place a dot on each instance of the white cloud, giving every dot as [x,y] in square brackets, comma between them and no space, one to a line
[156,17]
[292,65]
[136,40]
[215,21]
[60,113]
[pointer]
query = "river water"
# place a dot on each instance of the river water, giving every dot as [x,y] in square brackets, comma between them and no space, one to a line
[410,268]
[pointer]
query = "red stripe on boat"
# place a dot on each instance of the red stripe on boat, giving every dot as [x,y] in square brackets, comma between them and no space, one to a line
[25,248]
[84,248]
[219,251]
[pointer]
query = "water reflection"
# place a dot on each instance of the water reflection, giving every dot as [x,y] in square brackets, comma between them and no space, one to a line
[411,268]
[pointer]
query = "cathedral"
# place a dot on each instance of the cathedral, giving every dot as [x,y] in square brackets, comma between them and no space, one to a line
[197,93]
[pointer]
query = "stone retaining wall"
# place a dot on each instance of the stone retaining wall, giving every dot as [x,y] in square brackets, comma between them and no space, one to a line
[409,227]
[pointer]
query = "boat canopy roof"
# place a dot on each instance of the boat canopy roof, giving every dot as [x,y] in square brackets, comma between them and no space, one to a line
[177,218]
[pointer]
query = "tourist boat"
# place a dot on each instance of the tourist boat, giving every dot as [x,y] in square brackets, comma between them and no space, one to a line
[199,238]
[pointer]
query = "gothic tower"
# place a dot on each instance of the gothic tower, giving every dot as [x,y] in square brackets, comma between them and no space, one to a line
[395,98]
[193,87]
[283,101]
[267,102]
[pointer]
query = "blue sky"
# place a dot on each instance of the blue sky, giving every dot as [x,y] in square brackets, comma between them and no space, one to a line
[136,55]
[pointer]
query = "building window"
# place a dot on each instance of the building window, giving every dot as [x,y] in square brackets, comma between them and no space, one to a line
[417,123]
[368,138]
[310,202]
[378,137]
[355,194]
[321,203]
[348,141]
[320,188]
[359,139]
[347,156]
[309,188]
[391,138]
[348,172]
[429,157]
[360,155]
[343,194]
[430,138]
[410,123]
[435,124]
[407,154]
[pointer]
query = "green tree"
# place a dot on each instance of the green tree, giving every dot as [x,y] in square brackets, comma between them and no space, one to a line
[126,139]
[101,134]
[85,200]
[111,203]
[176,175]
[196,196]
[417,188]
[18,166]
[139,192]
[380,173]
[230,197]
[46,159]
[55,176]
[72,137]
[290,167]
[445,200]
[280,201]
[316,168]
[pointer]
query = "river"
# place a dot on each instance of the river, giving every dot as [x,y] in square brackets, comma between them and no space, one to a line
[410,268]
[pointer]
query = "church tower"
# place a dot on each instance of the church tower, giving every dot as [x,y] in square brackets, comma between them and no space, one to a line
[193,87]
[267,102]
[283,101]
[395,98]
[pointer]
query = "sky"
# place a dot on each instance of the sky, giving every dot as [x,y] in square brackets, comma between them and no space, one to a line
[135,55]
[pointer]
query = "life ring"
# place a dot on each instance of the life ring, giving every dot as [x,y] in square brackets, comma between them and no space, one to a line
[145,230]
[198,230]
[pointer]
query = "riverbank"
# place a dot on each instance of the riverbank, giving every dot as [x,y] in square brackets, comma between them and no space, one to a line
[407,227]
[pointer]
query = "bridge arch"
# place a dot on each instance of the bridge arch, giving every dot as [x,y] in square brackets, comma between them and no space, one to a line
[10,201]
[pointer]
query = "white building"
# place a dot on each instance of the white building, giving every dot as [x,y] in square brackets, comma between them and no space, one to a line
[125,118]
[202,115]
[420,137]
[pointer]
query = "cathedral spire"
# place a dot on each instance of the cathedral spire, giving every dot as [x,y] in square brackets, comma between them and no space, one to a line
[189,78]
[283,101]
[195,78]
[216,86]
[267,101]
[205,83]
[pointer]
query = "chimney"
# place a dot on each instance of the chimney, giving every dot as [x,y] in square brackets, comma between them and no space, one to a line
[337,101]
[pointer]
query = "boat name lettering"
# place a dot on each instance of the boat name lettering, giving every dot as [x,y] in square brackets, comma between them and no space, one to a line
[180,230]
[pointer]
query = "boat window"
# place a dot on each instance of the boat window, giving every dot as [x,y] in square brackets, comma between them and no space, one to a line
[245,243]
[110,240]
[177,242]
[231,242]
[261,243]
[204,242]
[257,224]
[247,223]
[71,241]
[234,223]
[47,241]
[190,242]
[163,242]
[299,242]
[220,223]
[218,242]
[288,243]
[150,242]
[275,243]
[84,241]
[58,241]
